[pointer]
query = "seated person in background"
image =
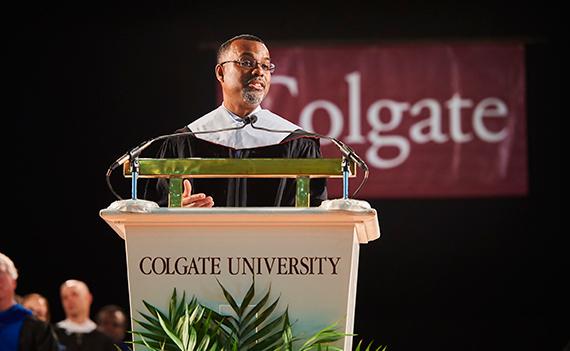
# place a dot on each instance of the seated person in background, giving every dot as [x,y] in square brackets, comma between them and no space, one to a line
[19,329]
[39,306]
[78,332]
[243,71]
[18,299]
[112,321]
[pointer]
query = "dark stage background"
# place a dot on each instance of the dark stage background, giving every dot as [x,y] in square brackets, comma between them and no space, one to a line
[447,274]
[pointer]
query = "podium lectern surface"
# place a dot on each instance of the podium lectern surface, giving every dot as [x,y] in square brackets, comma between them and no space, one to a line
[307,256]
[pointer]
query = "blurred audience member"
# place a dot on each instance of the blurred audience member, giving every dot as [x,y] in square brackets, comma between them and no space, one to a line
[77,332]
[111,320]
[38,304]
[18,299]
[19,329]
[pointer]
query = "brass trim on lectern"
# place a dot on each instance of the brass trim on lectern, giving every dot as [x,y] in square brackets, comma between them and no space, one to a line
[302,169]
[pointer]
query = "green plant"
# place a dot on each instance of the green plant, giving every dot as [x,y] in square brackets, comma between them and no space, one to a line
[186,327]
[368,348]
[194,327]
[257,329]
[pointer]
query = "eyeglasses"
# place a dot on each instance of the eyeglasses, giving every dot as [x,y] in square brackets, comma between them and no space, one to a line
[248,63]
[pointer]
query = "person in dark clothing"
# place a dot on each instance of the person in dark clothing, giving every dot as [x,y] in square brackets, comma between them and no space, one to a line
[244,71]
[77,332]
[91,341]
[19,329]
[112,321]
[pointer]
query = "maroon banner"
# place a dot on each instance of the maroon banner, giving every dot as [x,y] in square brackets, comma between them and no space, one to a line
[429,120]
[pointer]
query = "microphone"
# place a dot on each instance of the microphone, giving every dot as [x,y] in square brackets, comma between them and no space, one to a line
[137,150]
[134,152]
[251,119]
[346,150]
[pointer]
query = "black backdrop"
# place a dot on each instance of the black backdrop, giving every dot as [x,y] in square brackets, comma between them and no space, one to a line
[92,81]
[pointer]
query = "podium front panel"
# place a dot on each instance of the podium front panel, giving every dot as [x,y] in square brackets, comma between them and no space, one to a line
[309,261]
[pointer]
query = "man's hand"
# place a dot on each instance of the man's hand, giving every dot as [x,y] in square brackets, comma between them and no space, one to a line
[196,200]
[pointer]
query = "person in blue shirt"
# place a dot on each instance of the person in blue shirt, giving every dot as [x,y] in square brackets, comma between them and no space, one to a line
[19,329]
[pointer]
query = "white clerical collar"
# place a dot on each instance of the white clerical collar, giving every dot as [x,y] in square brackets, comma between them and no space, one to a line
[71,327]
[244,138]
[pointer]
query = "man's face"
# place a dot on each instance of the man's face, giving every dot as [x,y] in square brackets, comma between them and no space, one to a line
[76,300]
[113,323]
[243,85]
[38,306]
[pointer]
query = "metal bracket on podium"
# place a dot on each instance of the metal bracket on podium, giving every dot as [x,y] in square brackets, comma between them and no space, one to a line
[301,169]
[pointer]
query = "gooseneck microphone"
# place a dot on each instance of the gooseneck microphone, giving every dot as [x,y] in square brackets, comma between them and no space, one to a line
[137,150]
[134,152]
[346,150]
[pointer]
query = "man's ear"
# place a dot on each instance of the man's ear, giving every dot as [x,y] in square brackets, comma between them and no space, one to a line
[219,70]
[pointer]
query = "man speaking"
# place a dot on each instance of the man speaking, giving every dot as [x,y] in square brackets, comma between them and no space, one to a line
[244,71]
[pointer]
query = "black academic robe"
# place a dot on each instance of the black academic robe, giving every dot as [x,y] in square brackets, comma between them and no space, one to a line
[37,336]
[93,341]
[242,192]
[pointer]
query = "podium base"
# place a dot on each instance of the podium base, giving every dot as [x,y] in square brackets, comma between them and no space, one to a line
[137,206]
[346,204]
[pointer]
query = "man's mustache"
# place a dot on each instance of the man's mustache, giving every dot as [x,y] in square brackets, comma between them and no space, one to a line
[257,79]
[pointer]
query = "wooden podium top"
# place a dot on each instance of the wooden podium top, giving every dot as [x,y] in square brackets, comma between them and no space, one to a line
[364,221]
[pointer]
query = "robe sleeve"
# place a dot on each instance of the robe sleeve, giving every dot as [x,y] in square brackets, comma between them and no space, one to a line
[176,147]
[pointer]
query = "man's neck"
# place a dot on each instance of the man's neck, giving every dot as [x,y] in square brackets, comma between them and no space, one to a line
[5,304]
[78,319]
[239,110]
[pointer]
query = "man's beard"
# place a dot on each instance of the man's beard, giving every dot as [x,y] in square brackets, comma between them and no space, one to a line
[252,97]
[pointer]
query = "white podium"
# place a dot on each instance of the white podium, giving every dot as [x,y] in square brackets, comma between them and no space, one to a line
[307,256]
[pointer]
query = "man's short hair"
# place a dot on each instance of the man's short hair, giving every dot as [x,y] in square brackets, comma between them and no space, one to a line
[225,46]
[6,265]
[109,309]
